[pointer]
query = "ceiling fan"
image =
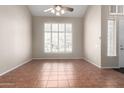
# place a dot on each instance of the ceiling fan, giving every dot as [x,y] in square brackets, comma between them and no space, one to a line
[59,10]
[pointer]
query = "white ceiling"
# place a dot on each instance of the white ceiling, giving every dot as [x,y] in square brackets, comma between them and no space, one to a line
[37,10]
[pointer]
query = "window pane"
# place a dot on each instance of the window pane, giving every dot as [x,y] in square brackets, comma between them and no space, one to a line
[54,27]
[61,42]
[47,42]
[61,28]
[68,27]
[68,42]
[54,42]
[113,8]
[120,9]
[47,27]
[111,48]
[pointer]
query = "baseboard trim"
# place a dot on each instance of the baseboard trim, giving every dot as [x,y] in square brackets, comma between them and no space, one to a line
[98,65]
[109,67]
[15,67]
[89,61]
[68,58]
[56,58]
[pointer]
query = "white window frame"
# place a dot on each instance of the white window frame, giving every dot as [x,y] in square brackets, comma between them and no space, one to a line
[65,51]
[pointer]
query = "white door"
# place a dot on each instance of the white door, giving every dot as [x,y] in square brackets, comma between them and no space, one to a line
[121,43]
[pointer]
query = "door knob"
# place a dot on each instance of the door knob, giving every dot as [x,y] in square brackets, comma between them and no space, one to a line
[121,45]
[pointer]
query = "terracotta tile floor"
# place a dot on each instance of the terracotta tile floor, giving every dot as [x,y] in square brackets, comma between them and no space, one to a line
[61,74]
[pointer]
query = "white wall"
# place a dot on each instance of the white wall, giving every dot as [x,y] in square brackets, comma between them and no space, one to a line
[38,37]
[92,34]
[15,36]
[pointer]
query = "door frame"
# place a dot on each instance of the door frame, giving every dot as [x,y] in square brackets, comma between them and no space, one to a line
[118,41]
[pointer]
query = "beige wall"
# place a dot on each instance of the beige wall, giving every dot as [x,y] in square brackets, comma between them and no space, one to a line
[15,36]
[38,37]
[92,34]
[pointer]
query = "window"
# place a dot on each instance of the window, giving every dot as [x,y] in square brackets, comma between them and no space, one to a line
[58,38]
[116,10]
[111,38]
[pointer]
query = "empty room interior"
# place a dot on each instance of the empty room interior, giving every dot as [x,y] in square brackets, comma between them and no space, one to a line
[61,46]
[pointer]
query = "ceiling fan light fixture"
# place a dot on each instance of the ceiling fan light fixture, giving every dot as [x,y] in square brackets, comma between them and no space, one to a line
[62,11]
[57,14]
[58,8]
[53,11]
[48,9]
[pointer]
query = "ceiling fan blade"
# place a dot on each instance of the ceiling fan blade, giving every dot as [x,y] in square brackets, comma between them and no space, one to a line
[68,9]
[48,10]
